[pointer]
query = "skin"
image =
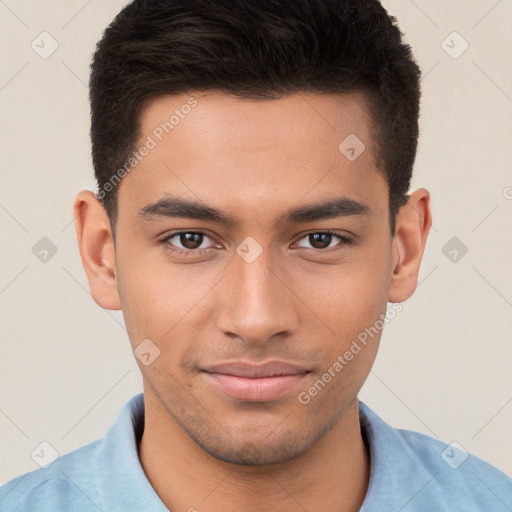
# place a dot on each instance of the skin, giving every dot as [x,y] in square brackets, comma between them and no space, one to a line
[254,161]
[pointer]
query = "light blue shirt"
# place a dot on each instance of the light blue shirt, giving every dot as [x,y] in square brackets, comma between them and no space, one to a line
[410,472]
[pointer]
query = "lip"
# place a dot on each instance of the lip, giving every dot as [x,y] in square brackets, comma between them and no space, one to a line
[254,370]
[255,382]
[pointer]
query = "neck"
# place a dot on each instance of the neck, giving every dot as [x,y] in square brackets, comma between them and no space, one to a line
[332,475]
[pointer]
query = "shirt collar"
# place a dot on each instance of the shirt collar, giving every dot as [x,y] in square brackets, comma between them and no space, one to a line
[397,474]
[120,478]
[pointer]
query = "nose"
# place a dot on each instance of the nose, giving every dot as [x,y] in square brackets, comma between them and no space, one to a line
[256,302]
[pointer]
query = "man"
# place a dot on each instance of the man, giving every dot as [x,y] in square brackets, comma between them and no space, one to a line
[253,220]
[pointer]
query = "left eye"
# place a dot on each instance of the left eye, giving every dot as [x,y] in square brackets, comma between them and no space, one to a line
[322,240]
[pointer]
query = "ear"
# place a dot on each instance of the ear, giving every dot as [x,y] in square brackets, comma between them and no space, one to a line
[412,227]
[97,251]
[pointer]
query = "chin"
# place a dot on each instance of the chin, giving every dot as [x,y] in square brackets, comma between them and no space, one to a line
[255,454]
[255,449]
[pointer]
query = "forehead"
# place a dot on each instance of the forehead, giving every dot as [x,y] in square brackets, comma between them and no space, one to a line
[243,154]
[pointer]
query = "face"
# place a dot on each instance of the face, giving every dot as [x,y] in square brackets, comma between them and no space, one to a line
[258,271]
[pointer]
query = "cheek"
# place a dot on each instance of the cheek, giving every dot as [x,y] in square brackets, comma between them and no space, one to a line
[160,301]
[349,297]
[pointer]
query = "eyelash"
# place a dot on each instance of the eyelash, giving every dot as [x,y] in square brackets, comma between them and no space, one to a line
[181,252]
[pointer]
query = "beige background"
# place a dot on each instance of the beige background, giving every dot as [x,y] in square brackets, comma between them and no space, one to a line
[444,366]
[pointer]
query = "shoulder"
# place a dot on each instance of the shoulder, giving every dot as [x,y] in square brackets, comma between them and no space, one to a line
[456,468]
[419,472]
[457,477]
[68,481]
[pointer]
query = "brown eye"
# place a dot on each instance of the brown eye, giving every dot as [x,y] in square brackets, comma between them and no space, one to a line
[320,240]
[191,240]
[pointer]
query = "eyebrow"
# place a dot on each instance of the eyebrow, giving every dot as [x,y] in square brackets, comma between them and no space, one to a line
[174,206]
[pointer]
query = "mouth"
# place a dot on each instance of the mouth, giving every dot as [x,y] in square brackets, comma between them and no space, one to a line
[256,383]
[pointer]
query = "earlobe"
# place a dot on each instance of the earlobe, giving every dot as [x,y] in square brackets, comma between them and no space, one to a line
[97,250]
[412,227]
